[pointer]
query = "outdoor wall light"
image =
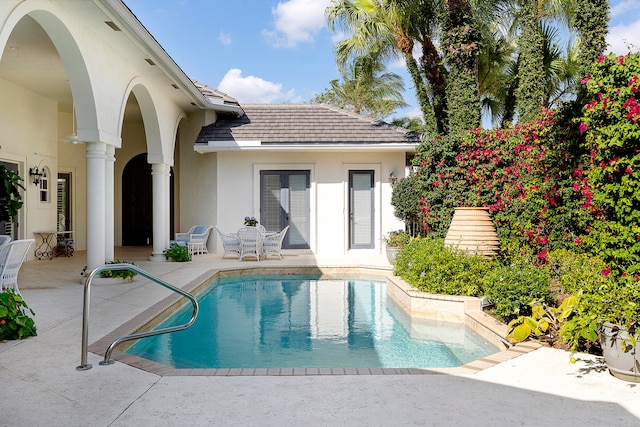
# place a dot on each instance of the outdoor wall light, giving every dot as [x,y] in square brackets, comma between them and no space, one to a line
[37,174]
[393,179]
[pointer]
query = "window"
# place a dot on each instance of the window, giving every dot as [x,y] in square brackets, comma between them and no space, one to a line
[44,185]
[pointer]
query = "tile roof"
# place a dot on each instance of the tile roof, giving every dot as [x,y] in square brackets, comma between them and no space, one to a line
[303,124]
[212,93]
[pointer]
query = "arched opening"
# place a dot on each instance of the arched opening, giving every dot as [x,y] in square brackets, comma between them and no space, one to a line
[137,203]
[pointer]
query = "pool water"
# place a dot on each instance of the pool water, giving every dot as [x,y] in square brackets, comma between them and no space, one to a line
[294,322]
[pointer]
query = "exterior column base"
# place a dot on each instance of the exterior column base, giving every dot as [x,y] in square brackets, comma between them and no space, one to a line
[158,258]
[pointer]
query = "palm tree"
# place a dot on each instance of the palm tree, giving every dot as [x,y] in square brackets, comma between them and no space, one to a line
[390,29]
[366,88]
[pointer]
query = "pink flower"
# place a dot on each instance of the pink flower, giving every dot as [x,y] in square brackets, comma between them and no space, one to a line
[600,58]
[606,272]
[586,79]
[583,127]
[578,241]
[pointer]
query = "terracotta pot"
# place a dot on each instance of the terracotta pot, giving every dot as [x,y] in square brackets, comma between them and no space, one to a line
[472,230]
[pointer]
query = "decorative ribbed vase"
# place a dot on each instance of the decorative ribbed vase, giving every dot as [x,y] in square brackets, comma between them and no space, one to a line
[472,230]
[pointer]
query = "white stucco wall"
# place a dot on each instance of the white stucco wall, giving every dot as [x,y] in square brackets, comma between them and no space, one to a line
[238,189]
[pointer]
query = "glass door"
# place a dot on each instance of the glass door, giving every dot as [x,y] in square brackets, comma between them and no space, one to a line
[361,209]
[284,200]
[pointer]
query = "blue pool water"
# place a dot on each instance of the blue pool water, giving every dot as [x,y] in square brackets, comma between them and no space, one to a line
[293,322]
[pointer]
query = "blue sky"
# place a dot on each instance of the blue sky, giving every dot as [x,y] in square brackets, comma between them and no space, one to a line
[268,51]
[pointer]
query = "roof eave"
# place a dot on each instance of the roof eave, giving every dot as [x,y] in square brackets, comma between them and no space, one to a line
[161,58]
[222,146]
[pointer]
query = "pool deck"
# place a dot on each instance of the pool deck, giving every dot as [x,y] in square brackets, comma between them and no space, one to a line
[40,385]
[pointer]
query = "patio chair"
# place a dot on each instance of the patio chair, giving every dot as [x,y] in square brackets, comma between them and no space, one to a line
[4,239]
[12,255]
[195,239]
[230,243]
[272,243]
[250,242]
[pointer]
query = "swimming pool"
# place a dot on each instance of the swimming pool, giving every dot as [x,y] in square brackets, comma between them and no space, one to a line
[293,321]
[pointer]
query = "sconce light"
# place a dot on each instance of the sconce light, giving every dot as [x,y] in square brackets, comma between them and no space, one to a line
[393,179]
[36,174]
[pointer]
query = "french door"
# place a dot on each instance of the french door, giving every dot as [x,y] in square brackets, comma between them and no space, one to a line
[361,209]
[284,200]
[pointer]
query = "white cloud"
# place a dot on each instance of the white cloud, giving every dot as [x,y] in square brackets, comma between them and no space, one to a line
[295,22]
[624,38]
[254,90]
[224,38]
[622,7]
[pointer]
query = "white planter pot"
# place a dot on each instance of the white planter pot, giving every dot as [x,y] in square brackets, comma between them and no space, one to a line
[625,366]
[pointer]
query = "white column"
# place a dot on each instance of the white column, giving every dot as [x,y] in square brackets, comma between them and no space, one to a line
[109,203]
[160,184]
[96,155]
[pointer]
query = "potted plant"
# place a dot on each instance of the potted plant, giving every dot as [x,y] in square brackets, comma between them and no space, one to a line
[15,322]
[10,197]
[250,221]
[608,315]
[394,242]
[620,331]
[121,275]
[177,253]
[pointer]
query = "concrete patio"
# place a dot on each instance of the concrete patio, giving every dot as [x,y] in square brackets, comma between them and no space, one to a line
[41,386]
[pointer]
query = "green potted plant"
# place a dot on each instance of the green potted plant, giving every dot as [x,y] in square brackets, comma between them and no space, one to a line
[608,315]
[10,197]
[15,322]
[250,221]
[619,331]
[122,275]
[394,242]
[177,253]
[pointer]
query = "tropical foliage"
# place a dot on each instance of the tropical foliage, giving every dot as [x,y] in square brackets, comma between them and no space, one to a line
[506,58]
[564,193]
[15,320]
[366,88]
[10,196]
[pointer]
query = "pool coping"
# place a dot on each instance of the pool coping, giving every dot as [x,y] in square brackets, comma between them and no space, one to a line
[147,319]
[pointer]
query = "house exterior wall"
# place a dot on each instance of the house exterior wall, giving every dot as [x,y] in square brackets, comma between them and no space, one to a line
[238,192]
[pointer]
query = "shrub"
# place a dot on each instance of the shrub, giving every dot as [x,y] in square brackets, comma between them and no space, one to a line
[431,267]
[615,301]
[397,239]
[571,273]
[512,289]
[611,124]
[15,322]
[127,275]
[177,253]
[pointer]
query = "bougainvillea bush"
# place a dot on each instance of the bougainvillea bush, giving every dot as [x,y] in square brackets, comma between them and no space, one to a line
[564,193]
[522,174]
[611,125]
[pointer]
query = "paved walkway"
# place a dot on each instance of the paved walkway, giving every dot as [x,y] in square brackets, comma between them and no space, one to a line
[39,384]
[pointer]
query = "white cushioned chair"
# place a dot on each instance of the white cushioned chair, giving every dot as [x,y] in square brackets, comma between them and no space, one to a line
[230,243]
[195,239]
[12,255]
[250,243]
[272,243]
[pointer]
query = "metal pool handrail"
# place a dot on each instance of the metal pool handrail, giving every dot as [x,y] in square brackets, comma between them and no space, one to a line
[85,314]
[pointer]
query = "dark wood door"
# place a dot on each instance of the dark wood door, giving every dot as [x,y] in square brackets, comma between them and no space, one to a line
[137,203]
